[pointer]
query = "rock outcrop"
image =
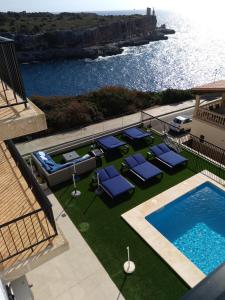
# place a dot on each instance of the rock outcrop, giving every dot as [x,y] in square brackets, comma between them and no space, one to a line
[90,42]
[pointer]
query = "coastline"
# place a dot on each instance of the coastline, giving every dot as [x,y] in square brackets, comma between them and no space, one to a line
[106,37]
[94,51]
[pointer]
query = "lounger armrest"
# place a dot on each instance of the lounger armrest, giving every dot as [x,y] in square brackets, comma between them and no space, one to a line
[124,167]
[150,155]
[125,148]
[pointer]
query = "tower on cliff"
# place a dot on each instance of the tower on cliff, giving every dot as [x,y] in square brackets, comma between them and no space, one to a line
[149,11]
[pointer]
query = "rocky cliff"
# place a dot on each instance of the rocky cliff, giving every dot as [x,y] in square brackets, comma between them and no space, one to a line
[89,42]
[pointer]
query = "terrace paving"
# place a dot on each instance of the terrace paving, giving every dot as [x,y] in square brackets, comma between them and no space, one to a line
[74,275]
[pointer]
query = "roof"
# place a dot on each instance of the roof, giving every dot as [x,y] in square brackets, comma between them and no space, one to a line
[182,118]
[213,87]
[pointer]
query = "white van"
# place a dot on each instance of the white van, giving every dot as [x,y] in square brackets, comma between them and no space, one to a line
[181,124]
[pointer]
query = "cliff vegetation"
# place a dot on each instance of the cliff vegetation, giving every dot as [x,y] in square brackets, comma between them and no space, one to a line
[64,113]
[33,23]
[46,36]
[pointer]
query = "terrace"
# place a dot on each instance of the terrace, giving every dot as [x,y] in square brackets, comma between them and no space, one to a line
[27,227]
[214,112]
[18,116]
[98,218]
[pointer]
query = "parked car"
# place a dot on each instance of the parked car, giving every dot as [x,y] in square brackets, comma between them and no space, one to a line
[181,124]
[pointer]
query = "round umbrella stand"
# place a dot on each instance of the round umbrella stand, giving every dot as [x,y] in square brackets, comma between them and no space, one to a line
[129,267]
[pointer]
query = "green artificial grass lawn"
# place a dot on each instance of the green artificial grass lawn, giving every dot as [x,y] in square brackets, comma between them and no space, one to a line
[99,220]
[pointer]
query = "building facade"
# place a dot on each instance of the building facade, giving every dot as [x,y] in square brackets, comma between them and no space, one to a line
[29,235]
[209,118]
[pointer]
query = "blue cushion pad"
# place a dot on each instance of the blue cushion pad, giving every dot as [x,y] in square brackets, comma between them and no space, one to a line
[136,133]
[172,158]
[147,170]
[102,175]
[110,142]
[164,148]
[111,171]
[117,186]
[139,158]
[131,162]
[50,165]
[156,150]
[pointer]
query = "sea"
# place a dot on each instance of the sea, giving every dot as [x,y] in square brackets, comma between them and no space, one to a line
[193,56]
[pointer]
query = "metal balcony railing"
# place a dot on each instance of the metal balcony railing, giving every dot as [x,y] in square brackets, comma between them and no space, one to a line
[12,90]
[24,233]
[211,116]
[33,228]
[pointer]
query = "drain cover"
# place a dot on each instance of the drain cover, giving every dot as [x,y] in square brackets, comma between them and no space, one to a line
[83,227]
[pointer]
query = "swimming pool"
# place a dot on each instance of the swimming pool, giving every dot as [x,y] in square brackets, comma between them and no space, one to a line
[195,224]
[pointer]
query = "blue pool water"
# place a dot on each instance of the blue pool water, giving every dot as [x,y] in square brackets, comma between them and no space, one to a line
[195,224]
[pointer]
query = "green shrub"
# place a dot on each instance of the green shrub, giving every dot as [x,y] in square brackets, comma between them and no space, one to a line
[173,96]
[108,102]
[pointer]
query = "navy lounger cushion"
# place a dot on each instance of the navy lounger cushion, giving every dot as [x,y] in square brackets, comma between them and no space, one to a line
[111,171]
[164,148]
[117,186]
[147,170]
[141,167]
[166,155]
[139,158]
[110,142]
[102,175]
[112,182]
[156,150]
[131,162]
[172,158]
[136,133]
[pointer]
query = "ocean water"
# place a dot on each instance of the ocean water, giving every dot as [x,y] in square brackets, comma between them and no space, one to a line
[194,55]
[195,224]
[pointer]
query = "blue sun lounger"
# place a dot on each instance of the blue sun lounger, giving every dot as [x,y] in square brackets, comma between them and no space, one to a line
[110,143]
[112,182]
[167,156]
[136,134]
[143,169]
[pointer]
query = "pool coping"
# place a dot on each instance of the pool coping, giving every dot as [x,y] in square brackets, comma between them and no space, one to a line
[135,217]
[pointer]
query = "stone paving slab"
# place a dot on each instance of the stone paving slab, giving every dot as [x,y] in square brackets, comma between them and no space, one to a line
[76,274]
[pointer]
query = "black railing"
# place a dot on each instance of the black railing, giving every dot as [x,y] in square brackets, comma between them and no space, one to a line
[32,183]
[24,233]
[29,230]
[10,76]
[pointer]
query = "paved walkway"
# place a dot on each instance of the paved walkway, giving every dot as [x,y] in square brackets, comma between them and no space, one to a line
[91,130]
[76,274]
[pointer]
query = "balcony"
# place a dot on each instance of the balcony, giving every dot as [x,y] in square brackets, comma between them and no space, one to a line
[213,112]
[18,116]
[27,226]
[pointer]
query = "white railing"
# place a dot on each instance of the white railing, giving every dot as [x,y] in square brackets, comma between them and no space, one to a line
[211,116]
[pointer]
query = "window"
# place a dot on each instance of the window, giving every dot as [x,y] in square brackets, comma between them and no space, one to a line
[177,121]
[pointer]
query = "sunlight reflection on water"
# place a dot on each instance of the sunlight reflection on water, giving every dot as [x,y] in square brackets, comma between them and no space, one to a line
[194,55]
